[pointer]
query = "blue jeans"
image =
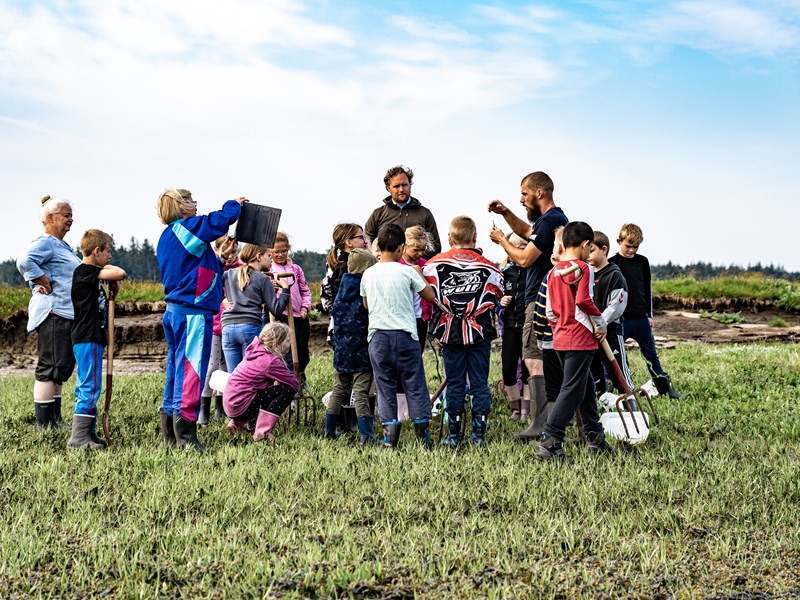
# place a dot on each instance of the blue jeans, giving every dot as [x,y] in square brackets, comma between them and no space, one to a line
[640,330]
[395,354]
[236,337]
[473,361]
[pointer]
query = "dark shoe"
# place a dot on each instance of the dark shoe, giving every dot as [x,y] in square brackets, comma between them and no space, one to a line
[219,410]
[186,434]
[57,414]
[45,419]
[167,428]
[514,405]
[597,443]
[664,386]
[205,409]
[550,449]
[366,429]
[479,424]
[422,429]
[349,419]
[81,437]
[330,432]
[453,438]
[391,434]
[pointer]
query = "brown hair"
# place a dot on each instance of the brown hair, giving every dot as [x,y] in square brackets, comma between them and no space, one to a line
[282,237]
[398,170]
[341,233]
[601,239]
[94,238]
[172,203]
[249,254]
[462,230]
[538,180]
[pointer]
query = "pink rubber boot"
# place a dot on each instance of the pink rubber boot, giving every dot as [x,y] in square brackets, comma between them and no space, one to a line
[264,425]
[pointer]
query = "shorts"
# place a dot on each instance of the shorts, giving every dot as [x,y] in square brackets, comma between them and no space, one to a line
[56,360]
[530,348]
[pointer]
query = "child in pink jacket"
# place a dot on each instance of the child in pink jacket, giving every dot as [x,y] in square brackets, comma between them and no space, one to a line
[261,386]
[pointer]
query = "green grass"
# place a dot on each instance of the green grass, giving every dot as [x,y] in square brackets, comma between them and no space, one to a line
[778,322]
[783,294]
[706,508]
[725,318]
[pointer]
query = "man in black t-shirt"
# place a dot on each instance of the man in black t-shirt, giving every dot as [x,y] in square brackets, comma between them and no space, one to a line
[544,218]
[89,333]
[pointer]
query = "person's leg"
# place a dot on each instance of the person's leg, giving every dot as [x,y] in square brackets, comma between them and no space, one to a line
[169,322]
[232,336]
[422,333]
[302,331]
[598,372]
[382,355]
[509,358]
[361,384]
[639,330]
[213,365]
[89,357]
[194,348]
[454,359]
[478,357]
[592,427]
[64,363]
[342,386]
[412,374]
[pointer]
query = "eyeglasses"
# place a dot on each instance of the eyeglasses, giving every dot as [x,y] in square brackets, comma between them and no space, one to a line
[280,251]
[363,236]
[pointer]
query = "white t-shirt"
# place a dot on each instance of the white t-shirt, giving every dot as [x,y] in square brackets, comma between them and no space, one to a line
[390,289]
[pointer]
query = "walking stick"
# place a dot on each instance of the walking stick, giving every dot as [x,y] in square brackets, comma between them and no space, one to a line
[110,368]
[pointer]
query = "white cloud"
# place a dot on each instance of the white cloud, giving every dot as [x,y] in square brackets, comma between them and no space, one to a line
[424,29]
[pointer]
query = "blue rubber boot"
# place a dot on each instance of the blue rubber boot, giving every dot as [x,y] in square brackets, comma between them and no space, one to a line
[422,430]
[453,438]
[366,429]
[391,434]
[330,432]
[479,424]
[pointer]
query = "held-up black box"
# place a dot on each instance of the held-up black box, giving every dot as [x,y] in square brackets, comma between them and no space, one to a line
[257,224]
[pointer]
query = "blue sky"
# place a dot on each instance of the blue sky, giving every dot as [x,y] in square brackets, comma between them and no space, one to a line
[681,116]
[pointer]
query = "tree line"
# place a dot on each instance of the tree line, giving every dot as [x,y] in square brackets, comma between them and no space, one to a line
[139,261]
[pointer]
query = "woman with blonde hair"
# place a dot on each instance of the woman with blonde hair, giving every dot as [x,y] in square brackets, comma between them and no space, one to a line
[192,276]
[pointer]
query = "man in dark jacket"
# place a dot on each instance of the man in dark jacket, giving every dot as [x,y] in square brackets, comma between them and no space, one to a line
[402,208]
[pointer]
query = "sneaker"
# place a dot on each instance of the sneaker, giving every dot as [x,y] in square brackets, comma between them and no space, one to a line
[551,449]
[597,444]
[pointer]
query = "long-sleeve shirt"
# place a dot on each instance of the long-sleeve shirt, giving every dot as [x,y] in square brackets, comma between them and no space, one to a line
[47,255]
[301,294]
[611,295]
[570,307]
[636,271]
[248,302]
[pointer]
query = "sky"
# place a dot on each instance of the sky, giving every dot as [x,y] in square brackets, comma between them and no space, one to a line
[682,116]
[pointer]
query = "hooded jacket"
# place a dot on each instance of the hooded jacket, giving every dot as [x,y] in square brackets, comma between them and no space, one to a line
[412,213]
[258,370]
[351,354]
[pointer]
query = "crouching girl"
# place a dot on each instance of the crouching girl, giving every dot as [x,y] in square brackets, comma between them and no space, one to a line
[262,386]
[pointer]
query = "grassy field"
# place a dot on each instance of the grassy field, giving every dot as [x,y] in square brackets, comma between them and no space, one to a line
[706,509]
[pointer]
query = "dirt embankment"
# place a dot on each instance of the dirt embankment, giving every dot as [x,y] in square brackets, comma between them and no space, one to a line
[140,343]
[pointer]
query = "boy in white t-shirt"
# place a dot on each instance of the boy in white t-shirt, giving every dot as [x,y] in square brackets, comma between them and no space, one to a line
[387,289]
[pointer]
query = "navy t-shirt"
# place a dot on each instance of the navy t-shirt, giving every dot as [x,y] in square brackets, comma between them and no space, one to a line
[89,301]
[544,238]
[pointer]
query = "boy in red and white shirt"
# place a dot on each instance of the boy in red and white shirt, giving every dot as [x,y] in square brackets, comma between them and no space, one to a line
[577,326]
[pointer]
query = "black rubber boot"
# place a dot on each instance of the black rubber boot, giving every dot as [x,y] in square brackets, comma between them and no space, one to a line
[664,386]
[186,434]
[422,429]
[219,410]
[391,434]
[349,419]
[81,437]
[167,428]
[57,414]
[45,419]
[453,438]
[205,409]
[479,424]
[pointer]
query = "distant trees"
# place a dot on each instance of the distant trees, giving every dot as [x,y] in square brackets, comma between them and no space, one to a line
[703,270]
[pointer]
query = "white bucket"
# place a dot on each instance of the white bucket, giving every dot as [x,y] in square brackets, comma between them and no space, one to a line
[613,424]
[218,381]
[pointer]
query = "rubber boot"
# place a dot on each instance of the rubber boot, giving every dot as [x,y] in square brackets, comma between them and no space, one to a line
[82,433]
[597,444]
[524,409]
[186,434]
[422,429]
[45,418]
[331,420]
[514,405]
[391,434]
[453,438]
[205,409]
[167,428]
[512,391]
[264,425]
[479,424]
[366,429]
[350,419]
[539,405]
[93,434]
[57,414]
[219,410]
[551,449]
[663,384]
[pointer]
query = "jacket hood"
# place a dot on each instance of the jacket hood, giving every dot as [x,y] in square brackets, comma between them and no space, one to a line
[411,202]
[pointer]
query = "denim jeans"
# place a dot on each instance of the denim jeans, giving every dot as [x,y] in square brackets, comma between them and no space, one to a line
[640,330]
[577,392]
[396,354]
[236,337]
[460,362]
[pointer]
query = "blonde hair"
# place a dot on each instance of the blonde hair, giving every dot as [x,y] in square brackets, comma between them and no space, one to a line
[173,204]
[341,233]
[282,237]
[272,336]
[462,230]
[416,235]
[94,238]
[631,233]
[249,254]
[51,206]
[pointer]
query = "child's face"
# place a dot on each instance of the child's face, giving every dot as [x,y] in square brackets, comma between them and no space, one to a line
[627,248]
[376,252]
[413,253]
[558,250]
[597,257]
[280,252]
[102,256]
[359,240]
[285,346]
[265,262]
[585,250]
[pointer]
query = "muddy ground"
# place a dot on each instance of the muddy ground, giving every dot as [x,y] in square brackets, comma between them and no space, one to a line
[140,345]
